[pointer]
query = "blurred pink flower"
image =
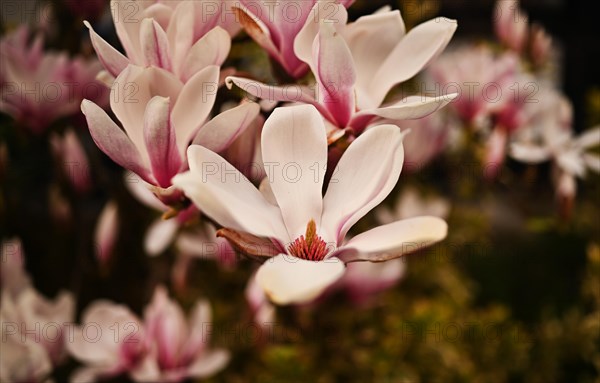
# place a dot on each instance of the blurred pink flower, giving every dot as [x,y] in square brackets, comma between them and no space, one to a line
[110,341]
[34,328]
[475,72]
[40,87]
[73,160]
[180,36]
[427,137]
[510,24]
[306,229]
[355,67]
[178,348]
[161,116]
[275,25]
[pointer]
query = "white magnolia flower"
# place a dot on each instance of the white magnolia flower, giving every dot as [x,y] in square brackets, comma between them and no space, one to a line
[307,230]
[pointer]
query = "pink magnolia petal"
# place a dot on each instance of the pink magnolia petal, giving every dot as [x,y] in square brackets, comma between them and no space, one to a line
[289,93]
[160,235]
[294,146]
[154,44]
[112,60]
[371,39]
[335,73]
[208,364]
[159,135]
[322,10]
[113,141]
[212,49]
[364,176]
[415,51]
[226,127]
[395,239]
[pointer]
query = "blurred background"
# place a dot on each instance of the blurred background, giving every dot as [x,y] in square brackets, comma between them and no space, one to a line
[512,295]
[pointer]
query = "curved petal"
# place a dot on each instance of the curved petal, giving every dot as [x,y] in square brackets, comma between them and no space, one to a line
[112,140]
[324,9]
[589,138]
[409,108]
[154,44]
[132,91]
[223,193]
[127,17]
[287,279]
[395,239]
[256,29]
[194,104]
[211,49]
[335,73]
[531,154]
[112,60]
[364,176]
[224,128]
[159,136]
[371,39]
[286,93]
[294,144]
[414,51]
[160,235]
[208,363]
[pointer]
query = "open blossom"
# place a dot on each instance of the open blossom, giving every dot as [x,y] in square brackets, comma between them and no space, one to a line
[475,72]
[28,353]
[306,229]
[182,37]
[118,345]
[178,347]
[355,65]
[160,117]
[275,25]
[568,153]
[40,87]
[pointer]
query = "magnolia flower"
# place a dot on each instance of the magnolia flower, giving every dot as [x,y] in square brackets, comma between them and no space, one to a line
[160,117]
[357,64]
[38,88]
[20,360]
[567,152]
[275,25]
[180,36]
[510,24]
[73,160]
[476,73]
[34,328]
[111,341]
[179,347]
[306,231]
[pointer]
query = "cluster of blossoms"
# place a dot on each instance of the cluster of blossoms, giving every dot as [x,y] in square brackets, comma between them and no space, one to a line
[282,176]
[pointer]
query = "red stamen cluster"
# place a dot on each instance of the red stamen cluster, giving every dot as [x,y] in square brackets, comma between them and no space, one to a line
[309,246]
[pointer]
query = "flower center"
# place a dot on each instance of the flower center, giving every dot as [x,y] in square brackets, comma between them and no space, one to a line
[309,246]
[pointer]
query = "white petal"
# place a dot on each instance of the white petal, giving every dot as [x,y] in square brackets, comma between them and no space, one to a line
[396,239]
[414,51]
[531,154]
[194,105]
[409,108]
[224,194]
[371,39]
[224,128]
[160,235]
[364,176]
[287,279]
[294,146]
[589,138]
[211,49]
